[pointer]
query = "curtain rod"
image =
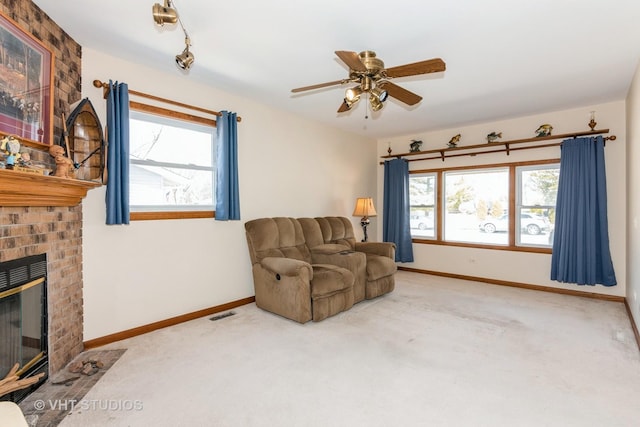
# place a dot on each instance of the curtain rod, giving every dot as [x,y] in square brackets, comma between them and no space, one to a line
[443,153]
[105,91]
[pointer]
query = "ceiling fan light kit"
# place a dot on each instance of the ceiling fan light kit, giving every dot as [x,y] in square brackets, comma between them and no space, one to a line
[380,94]
[367,70]
[168,14]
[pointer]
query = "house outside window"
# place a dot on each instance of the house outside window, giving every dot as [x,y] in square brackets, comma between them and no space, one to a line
[171,164]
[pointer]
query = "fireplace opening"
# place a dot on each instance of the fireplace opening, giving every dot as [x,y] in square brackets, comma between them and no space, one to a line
[23,321]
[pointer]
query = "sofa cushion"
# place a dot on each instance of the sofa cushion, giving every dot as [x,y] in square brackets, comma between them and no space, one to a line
[379,266]
[276,237]
[330,249]
[329,279]
[337,230]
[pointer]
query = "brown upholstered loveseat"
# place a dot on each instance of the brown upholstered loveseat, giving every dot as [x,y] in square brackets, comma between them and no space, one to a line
[312,268]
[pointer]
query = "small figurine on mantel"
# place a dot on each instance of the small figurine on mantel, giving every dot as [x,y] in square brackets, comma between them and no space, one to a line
[10,146]
[64,165]
[25,159]
[453,142]
[415,146]
[493,137]
[544,130]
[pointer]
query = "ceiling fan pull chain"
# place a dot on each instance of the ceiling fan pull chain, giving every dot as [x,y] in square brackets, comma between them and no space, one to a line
[366,108]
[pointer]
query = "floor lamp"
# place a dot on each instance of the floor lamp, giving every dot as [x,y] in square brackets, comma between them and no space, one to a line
[364,208]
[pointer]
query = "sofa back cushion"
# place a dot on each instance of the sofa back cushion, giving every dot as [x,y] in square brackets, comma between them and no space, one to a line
[312,233]
[337,230]
[276,237]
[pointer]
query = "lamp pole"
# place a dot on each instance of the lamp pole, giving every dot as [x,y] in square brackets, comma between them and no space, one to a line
[364,222]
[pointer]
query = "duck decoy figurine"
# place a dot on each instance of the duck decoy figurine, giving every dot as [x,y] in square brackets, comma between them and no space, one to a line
[544,130]
[415,145]
[453,142]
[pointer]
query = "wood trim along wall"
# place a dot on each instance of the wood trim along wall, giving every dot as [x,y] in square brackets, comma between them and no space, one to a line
[519,285]
[130,333]
[145,216]
[633,323]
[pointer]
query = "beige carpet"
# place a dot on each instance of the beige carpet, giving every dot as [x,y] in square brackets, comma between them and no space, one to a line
[435,352]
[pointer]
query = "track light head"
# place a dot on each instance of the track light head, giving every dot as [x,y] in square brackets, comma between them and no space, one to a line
[185,59]
[164,14]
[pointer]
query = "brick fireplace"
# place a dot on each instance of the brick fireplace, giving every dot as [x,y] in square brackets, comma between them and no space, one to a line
[47,221]
[57,232]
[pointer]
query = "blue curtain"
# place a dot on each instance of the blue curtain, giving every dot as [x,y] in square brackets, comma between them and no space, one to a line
[117,198]
[227,186]
[581,237]
[396,226]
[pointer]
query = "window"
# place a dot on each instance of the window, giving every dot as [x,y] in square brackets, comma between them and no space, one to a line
[508,206]
[171,162]
[474,200]
[422,190]
[536,204]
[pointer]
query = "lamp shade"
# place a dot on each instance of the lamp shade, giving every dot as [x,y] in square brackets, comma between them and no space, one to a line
[364,207]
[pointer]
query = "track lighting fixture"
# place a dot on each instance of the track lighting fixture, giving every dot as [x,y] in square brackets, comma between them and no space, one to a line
[164,14]
[185,59]
[168,14]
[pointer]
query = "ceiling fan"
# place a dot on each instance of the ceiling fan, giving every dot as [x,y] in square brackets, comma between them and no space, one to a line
[368,72]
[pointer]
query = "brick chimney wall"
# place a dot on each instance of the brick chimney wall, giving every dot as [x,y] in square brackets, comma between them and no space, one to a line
[56,231]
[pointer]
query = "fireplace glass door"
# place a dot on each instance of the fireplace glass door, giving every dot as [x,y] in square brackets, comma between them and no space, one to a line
[23,320]
[21,326]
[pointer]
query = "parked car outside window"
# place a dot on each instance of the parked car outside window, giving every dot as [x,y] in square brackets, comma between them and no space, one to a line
[421,222]
[529,223]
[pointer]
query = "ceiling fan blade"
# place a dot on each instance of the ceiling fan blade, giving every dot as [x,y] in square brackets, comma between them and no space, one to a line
[434,65]
[399,93]
[319,85]
[344,107]
[352,59]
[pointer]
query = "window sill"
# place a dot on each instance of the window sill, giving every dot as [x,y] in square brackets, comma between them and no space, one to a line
[537,250]
[150,216]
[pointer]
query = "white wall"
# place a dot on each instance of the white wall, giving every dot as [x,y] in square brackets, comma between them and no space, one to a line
[523,267]
[153,270]
[633,195]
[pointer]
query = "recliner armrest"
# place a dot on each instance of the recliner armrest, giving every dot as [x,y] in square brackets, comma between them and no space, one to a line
[286,266]
[386,249]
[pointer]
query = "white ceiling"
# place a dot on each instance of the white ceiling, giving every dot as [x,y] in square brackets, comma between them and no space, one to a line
[505,58]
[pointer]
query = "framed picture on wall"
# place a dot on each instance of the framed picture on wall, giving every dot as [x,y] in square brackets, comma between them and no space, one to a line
[26,85]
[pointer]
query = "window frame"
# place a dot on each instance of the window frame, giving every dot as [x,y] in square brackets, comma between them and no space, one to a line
[164,214]
[519,204]
[512,197]
[433,207]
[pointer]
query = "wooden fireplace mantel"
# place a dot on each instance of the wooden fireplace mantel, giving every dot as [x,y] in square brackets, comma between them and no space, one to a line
[27,189]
